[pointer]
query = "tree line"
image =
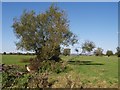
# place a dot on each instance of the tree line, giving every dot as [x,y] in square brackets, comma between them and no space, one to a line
[67,51]
[88,47]
[17,53]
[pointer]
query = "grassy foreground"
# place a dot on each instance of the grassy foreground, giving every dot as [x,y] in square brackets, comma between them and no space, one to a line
[94,72]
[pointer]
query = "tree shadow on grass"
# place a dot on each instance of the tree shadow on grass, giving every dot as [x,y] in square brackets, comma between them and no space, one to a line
[84,63]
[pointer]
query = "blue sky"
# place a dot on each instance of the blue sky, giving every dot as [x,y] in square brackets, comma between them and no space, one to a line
[0,26]
[97,22]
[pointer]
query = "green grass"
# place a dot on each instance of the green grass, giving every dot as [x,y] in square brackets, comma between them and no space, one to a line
[14,59]
[107,71]
[101,71]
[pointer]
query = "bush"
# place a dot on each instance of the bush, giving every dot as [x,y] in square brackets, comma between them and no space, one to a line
[18,77]
[52,66]
[13,77]
[10,74]
[49,65]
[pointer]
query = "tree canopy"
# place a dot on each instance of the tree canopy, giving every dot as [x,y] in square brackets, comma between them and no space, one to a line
[88,46]
[98,51]
[109,53]
[43,33]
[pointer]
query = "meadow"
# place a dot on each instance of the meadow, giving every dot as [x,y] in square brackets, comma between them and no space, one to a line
[87,71]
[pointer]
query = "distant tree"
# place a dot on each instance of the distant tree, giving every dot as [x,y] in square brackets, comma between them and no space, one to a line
[4,53]
[19,53]
[118,51]
[43,33]
[66,52]
[88,46]
[98,51]
[27,53]
[109,53]
[10,53]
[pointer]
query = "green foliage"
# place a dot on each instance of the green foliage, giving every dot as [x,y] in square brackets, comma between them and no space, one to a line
[11,74]
[43,33]
[66,52]
[109,53]
[48,66]
[98,51]
[52,66]
[88,46]
[118,51]
[23,81]
[13,77]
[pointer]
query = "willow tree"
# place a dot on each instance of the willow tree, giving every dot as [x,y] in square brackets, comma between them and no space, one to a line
[43,33]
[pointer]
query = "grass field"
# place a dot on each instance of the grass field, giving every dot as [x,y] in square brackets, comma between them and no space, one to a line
[95,71]
[14,59]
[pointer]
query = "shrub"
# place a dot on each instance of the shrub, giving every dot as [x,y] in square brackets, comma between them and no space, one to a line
[40,80]
[49,66]
[17,77]
[10,75]
[13,77]
[52,66]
